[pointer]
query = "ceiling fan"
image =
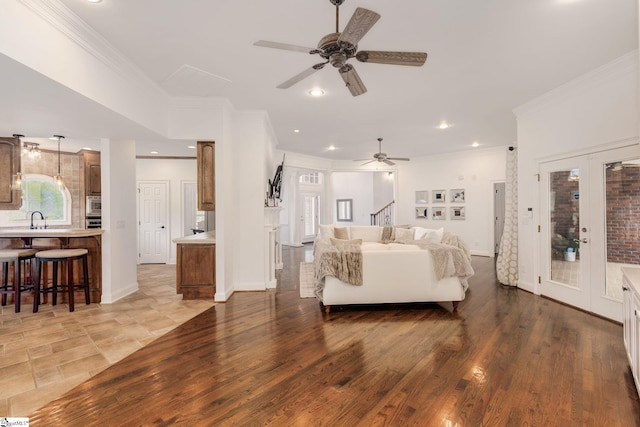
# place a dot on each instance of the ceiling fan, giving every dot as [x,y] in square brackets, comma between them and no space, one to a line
[337,48]
[382,157]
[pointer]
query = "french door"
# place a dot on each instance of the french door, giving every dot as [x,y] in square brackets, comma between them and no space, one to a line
[589,228]
[310,210]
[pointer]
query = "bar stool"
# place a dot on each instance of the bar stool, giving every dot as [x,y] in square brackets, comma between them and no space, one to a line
[65,256]
[18,284]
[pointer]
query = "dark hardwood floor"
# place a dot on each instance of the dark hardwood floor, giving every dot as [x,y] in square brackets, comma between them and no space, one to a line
[506,358]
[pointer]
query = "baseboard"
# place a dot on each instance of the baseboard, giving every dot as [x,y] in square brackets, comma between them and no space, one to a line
[293,245]
[111,298]
[487,254]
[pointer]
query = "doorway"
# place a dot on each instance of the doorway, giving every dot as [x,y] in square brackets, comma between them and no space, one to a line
[588,228]
[310,215]
[152,222]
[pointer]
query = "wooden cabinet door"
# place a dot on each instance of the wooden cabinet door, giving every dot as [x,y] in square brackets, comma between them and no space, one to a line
[9,166]
[206,176]
[92,174]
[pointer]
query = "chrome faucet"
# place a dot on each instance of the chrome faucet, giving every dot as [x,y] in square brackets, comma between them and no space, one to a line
[32,214]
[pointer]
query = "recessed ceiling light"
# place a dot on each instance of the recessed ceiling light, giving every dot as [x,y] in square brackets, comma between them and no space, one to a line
[87,148]
[316,92]
[153,152]
[191,146]
[94,1]
[444,125]
[296,130]
[475,144]
[332,147]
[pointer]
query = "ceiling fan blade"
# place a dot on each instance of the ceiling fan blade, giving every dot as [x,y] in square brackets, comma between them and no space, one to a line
[352,80]
[404,159]
[361,160]
[387,161]
[366,163]
[415,59]
[298,77]
[283,46]
[360,23]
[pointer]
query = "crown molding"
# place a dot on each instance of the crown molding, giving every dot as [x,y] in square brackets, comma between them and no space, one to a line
[61,18]
[624,65]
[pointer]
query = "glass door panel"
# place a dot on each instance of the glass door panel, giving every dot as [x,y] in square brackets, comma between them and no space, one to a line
[622,218]
[564,226]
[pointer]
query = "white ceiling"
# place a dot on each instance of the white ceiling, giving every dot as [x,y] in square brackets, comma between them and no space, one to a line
[485,58]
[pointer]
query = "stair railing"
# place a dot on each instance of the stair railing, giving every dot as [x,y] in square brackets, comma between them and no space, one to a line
[384,216]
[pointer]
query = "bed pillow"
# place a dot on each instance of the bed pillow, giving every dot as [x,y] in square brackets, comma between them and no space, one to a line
[368,233]
[430,234]
[403,235]
[326,230]
[341,233]
[336,242]
[393,233]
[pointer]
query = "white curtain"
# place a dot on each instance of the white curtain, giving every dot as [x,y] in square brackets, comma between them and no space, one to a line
[507,263]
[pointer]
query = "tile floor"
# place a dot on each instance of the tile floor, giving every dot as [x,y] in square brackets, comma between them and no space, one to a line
[45,354]
[569,273]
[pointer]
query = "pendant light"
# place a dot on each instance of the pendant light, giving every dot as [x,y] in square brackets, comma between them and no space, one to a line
[16,181]
[58,178]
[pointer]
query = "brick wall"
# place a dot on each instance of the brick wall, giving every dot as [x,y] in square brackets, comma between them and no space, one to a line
[623,215]
[565,215]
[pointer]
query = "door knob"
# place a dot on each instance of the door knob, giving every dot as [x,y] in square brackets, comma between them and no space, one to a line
[583,240]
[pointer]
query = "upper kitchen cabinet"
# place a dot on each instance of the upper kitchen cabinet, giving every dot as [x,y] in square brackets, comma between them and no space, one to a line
[9,166]
[206,176]
[92,173]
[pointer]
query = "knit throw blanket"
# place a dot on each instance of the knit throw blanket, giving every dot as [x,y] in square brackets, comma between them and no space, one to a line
[451,257]
[342,261]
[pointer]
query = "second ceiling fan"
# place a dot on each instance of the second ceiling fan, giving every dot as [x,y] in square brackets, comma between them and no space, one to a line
[382,157]
[337,48]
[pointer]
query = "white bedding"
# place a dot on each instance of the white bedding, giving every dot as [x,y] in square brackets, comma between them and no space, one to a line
[394,273]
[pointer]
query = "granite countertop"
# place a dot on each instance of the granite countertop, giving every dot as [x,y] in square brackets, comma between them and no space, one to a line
[50,232]
[206,238]
[633,276]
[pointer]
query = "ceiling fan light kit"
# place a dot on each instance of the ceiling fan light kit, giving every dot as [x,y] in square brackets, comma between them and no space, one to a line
[337,48]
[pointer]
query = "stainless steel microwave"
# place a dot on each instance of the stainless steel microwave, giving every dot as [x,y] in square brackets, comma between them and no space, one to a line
[94,206]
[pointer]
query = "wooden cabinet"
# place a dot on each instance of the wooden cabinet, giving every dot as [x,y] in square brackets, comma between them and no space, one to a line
[9,166]
[631,320]
[92,175]
[206,176]
[196,271]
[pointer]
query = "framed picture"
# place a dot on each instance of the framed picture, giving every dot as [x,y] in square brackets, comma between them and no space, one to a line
[438,196]
[422,197]
[438,213]
[422,212]
[457,213]
[457,196]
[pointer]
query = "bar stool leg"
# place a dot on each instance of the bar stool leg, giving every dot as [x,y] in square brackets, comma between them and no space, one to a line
[69,266]
[85,273]
[54,297]
[5,281]
[17,279]
[36,286]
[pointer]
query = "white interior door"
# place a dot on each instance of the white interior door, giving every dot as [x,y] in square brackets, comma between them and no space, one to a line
[590,203]
[152,220]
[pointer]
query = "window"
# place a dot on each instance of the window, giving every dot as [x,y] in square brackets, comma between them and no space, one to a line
[310,178]
[40,193]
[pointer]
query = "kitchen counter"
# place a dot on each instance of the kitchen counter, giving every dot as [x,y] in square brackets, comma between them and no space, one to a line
[62,238]
[49,232]
[206,238]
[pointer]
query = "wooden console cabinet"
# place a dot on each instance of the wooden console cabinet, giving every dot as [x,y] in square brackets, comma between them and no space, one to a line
[631,319]
[196,266]
[9,166]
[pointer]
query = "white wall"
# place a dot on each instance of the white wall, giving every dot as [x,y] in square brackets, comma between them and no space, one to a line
[175,171]
[119,219]
[593,112]
[475,171]
[357,186]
